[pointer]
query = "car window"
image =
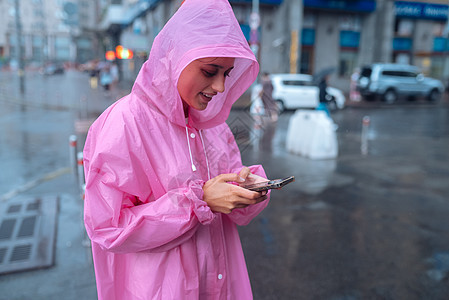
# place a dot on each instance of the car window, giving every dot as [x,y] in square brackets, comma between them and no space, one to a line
[410,74]
[399,73]
[297,83]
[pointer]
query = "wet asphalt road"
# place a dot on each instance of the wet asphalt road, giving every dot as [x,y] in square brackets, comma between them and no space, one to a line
[369,226]
[359,226]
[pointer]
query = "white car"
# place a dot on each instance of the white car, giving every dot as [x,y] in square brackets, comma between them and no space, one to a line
[293,91]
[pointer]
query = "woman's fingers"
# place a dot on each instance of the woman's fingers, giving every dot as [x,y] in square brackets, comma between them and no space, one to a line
[245,193]
[222,196]
[245,202]
[231,177]
[245,196]
[244,172]
[253,178]
[261,198]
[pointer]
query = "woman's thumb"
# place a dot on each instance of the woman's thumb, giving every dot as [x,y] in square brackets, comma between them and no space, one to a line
[244,172]
[232,177]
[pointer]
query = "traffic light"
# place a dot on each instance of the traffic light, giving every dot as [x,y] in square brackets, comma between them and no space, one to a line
[123,53]
[110,55]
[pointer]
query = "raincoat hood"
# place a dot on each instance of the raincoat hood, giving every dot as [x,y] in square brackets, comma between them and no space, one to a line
[199,29]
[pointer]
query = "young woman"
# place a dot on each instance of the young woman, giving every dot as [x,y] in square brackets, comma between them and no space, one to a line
[163,169]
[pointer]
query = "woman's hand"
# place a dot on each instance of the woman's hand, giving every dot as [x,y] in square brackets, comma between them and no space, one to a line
[245,173]
[224,197]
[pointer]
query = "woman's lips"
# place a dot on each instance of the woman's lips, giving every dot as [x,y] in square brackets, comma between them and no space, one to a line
[206,96]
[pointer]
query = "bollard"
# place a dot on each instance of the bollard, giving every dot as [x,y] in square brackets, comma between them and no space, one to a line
[81,180]
[72,144]
[365,127]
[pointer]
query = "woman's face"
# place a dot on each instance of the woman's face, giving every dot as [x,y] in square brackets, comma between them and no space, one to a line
[202,79]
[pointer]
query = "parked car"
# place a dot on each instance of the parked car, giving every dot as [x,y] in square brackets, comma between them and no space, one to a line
[52,69]
[393,81]
[293,91]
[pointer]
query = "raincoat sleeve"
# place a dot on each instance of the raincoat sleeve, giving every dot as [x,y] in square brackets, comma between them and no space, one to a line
[242,216]
[126,208]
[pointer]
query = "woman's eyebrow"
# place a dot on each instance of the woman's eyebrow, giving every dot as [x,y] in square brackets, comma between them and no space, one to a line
[219,66]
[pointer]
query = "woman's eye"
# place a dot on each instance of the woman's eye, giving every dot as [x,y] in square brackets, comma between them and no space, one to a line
[209,74]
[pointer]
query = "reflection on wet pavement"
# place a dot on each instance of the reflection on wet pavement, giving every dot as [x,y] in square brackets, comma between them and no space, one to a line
[359,226]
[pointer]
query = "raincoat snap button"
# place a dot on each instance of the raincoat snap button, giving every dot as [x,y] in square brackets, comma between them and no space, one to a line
[220,276]
[192,135]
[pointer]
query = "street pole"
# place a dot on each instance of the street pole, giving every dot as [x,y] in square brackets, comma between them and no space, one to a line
[254,23]
[21,69]
[255,8]
[295,17]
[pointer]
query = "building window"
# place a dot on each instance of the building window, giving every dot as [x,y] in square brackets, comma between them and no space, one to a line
[308,37]
[306,64]
[403,41]
[349,39]
[402,44]
[349,46]
[437,66]
[37,48]
[13,51]
[307,43]
[347,62]
[404,27]
[62,48]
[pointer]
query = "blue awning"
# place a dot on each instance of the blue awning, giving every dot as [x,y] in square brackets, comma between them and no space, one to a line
[342,5]
[268,2]
[418,10]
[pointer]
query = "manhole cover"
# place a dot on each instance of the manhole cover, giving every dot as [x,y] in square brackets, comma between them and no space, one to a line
[27,233]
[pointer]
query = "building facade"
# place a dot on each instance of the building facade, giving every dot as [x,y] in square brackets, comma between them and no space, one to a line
[306,36]
[51,30]
[300,36]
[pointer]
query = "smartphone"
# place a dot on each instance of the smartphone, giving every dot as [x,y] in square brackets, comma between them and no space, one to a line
[269,184]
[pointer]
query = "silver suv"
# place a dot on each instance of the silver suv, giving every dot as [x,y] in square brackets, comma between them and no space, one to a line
[391,81]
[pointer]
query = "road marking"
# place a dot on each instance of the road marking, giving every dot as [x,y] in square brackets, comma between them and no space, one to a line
[38,105]
[33,183]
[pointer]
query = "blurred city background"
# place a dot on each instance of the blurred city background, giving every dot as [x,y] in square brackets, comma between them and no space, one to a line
[367,215]
[289,36]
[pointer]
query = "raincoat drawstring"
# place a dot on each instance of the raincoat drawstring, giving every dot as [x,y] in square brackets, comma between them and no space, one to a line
[205,154]
[190,151]
[204,149]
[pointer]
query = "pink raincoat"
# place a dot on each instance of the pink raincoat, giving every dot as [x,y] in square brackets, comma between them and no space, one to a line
[153,237]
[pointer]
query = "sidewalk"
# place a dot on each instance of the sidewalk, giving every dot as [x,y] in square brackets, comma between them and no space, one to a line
[72,275]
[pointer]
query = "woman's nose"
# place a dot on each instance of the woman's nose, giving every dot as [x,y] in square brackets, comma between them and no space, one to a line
[219,84]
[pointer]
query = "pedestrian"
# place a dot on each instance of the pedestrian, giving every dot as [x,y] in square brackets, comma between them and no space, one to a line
[162,167]
[354,94]
[266,94]
[106,77]
[93,73]
[323,95]
[114,74]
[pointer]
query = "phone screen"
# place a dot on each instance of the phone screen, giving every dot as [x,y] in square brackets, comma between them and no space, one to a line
[269,184]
